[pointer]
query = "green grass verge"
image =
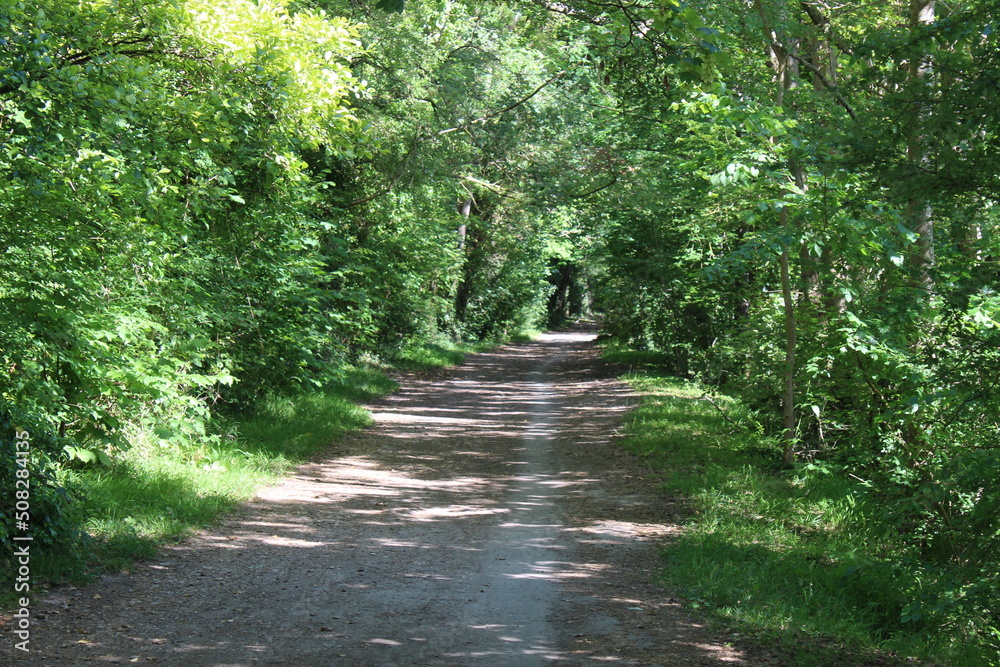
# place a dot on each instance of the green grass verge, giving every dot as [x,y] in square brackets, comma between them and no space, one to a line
[524,336]
[158,491]
[442,353]
[795,559]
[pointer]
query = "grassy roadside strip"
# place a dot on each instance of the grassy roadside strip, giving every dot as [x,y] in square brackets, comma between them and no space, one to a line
[436,354]
[158,491]
[792,559]
[443,353]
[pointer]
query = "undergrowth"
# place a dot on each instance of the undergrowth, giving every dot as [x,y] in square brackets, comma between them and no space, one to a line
[801,558]
[158,490]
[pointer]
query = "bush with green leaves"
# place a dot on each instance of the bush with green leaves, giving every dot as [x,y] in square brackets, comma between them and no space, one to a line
[160,235]
[43,506]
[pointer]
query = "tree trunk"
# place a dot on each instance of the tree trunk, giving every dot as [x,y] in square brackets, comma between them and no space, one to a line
[462,288]
[824,67]
[919,210]
[786,75]
[791,336]
[465,209]
[559,304]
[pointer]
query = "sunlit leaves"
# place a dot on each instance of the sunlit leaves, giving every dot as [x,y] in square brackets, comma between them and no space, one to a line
[155,197]
[302,58]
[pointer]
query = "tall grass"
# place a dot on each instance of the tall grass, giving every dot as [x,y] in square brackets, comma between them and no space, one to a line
[796,558]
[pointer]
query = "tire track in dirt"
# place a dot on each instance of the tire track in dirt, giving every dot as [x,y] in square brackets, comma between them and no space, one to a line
[486,519]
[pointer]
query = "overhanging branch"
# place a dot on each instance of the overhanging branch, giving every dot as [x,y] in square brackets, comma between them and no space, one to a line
[826,84]
[614,179]
[509,107]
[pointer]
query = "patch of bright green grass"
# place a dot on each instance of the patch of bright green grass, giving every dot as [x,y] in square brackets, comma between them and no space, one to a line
[794,558]
[635,359]
[444,352]
[158,491]
[524,336]
[426,355]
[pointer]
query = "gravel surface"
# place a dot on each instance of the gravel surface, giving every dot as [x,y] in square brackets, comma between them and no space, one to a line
[486,519]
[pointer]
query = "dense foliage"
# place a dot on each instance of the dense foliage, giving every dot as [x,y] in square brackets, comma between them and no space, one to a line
[817,233]
[206,203]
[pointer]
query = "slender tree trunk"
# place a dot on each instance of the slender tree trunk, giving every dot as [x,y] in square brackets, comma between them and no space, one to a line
[791,339]
[809,270]
[918,209]
[824,68]
[786,74]
[833,298]
[462,288]
[465,209]
[559,302]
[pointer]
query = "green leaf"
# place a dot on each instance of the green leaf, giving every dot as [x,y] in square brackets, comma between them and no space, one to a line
[390,5]
[19,117]
[163,432]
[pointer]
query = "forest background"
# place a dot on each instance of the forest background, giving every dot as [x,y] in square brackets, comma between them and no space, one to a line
[218,213]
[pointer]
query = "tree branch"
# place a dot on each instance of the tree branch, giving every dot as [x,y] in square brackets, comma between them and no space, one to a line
[509,107]
[614,179]
[826,84]
[821,21]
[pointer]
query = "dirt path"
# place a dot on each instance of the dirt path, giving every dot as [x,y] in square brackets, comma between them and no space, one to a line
[486,520]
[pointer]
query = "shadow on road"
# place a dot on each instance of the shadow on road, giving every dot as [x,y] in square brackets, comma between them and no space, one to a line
[487,518]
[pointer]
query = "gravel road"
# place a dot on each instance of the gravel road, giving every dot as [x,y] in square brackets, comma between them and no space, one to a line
[486,519]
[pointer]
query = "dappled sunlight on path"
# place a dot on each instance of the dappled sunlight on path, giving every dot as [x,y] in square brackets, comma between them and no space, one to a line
[486,518]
